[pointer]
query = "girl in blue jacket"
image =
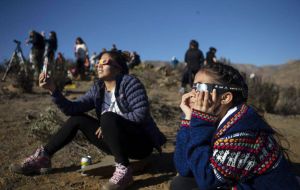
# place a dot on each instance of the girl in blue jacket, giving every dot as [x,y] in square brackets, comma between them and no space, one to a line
[222,142]
[124,127]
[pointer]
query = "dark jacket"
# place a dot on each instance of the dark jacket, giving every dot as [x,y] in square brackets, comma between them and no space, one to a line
[194,59]
[131,98]
[210,57]
[37,41]
[52,44]
[241,153]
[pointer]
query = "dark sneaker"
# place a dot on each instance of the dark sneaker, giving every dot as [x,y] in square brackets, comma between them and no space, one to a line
[38,163]
[121,178]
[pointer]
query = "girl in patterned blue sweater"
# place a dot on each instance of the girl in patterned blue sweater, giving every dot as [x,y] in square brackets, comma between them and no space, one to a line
[222,142]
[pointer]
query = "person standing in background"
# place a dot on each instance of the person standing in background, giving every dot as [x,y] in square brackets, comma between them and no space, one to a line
[36,53]
[135,60]
[93,61]
[51,46]
[114,47]
[194,59]
[174,61]
[50,49]
[211,56]
[81,54]
[59,72]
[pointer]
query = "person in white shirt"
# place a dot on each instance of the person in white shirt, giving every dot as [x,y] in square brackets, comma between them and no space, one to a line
[93,61]
[81,54]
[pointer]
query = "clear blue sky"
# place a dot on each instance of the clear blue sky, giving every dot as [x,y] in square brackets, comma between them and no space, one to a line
[245,31]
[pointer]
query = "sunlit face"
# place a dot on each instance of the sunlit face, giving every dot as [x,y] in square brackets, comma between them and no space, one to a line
[220,108]
[106,68]
[202,77]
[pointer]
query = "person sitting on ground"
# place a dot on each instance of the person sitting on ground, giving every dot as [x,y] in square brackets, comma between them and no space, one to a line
[223,143]
[124,128]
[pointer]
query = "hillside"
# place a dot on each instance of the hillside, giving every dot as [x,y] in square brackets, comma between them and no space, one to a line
[287,74]
[284,75]
[19,112]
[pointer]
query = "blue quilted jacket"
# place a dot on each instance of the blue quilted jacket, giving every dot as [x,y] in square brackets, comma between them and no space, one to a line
[131,98]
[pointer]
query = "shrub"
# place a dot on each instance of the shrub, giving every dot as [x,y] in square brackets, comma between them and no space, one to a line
[263,95]
[271,98]
[289,101]
[21,74]
[46,125]
[24,81]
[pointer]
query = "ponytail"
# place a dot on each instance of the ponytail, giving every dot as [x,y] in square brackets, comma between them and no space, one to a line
[227,75]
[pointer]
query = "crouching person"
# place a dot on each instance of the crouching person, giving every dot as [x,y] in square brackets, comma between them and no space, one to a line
[223,143]
[124,127]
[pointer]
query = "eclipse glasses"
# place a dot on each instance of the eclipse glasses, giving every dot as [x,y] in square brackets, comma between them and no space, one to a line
[220,88]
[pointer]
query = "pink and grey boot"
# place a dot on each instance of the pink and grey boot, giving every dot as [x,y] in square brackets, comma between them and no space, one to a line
[121,179]
[38,163]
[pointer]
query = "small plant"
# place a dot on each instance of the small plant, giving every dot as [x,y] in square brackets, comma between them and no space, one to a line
[46,125]
[289,101]
[262,95]
[272,98]
[24,80]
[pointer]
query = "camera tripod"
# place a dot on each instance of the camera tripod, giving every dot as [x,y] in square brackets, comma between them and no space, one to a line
[18,55]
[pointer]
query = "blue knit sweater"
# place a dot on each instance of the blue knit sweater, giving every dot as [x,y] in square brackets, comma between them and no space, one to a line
[240,154]
[131,98]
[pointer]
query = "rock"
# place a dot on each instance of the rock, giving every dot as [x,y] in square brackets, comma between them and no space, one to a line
[30,117]
[106,167]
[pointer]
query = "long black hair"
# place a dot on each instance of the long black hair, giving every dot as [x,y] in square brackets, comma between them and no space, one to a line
[79,40]
[227,75]
[53,38]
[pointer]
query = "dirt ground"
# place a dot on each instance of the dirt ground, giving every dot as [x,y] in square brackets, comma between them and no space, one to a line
[19,110]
